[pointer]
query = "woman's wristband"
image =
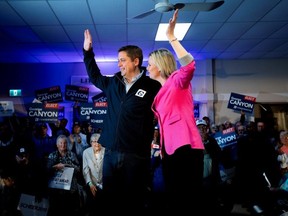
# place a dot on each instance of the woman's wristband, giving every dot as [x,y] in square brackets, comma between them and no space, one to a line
[174,39]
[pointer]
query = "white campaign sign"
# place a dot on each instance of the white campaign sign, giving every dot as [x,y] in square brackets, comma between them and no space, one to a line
[29,207]
[62,179]
[6,108]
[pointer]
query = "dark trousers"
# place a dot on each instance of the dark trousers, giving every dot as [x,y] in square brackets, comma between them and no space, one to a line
[126,177]
[94,204]
[62,202]
[183,177]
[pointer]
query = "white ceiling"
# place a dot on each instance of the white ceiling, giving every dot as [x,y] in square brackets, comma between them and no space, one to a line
[42,31]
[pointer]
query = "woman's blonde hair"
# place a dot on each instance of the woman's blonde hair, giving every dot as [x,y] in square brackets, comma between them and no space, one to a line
[165,61]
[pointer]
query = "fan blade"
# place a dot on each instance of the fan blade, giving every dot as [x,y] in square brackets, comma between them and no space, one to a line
[178,6]
[144,14]
[205,6]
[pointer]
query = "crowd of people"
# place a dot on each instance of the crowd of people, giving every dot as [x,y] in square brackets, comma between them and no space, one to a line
[150,124]
[30,156]
[259,164]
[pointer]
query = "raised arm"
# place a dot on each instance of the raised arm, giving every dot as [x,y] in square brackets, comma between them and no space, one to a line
[87,40]
[176,45]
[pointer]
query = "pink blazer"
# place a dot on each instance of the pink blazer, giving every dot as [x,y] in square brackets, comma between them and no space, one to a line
[174,109]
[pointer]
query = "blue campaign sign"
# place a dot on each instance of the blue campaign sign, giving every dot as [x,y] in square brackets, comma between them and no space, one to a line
[43,112]
[49,95]
[76,93]
[93,113]
[101,97]
[61,112]
[241,102]
[226,137]
[196,111]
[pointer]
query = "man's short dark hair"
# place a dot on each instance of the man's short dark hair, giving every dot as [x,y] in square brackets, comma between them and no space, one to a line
[133,52]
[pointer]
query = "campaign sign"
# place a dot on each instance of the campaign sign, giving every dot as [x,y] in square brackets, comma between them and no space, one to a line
[99,114]
[100,110]
[97,121]
[196,111]
[241,102]
[50,95]
[6,108]
[62,179]
[61,112]
[93,112]
[28,206]
[39,112]
[101,97]
[76,93]
[226,137]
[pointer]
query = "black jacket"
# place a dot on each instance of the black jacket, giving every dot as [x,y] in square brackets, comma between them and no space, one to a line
[128,126]
[213,149]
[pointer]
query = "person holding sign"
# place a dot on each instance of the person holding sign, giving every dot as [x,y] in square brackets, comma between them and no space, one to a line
[64,169]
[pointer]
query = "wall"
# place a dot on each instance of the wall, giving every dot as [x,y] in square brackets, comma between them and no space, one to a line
[212,83]
[267,80]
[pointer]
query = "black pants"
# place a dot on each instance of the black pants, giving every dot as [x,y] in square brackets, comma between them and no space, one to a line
[62,202]
[183,176]
[126,178]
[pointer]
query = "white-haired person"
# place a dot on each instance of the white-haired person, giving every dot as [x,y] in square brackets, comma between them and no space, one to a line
[63,201]
[92,173]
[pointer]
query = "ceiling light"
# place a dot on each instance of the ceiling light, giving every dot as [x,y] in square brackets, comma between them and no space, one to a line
[180,31]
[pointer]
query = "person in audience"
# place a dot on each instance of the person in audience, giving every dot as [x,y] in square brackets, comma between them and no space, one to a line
[77,142]
[59,128]
[8,195]
[88,130]
[157,183]
[211,174]
[264,125]
[63,201]
[180,140]
[21,162]
[257,161]
[28,178]
[44,144]
[227,124]
[240,130]
[93,174]
[8,147]
[208,122]
[283,152]
[128,127]
[214,129]
[280,139]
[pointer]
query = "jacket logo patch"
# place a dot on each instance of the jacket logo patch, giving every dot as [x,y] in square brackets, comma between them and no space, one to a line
[140,93]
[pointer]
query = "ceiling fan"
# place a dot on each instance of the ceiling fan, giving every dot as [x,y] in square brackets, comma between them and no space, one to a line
[164,6]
